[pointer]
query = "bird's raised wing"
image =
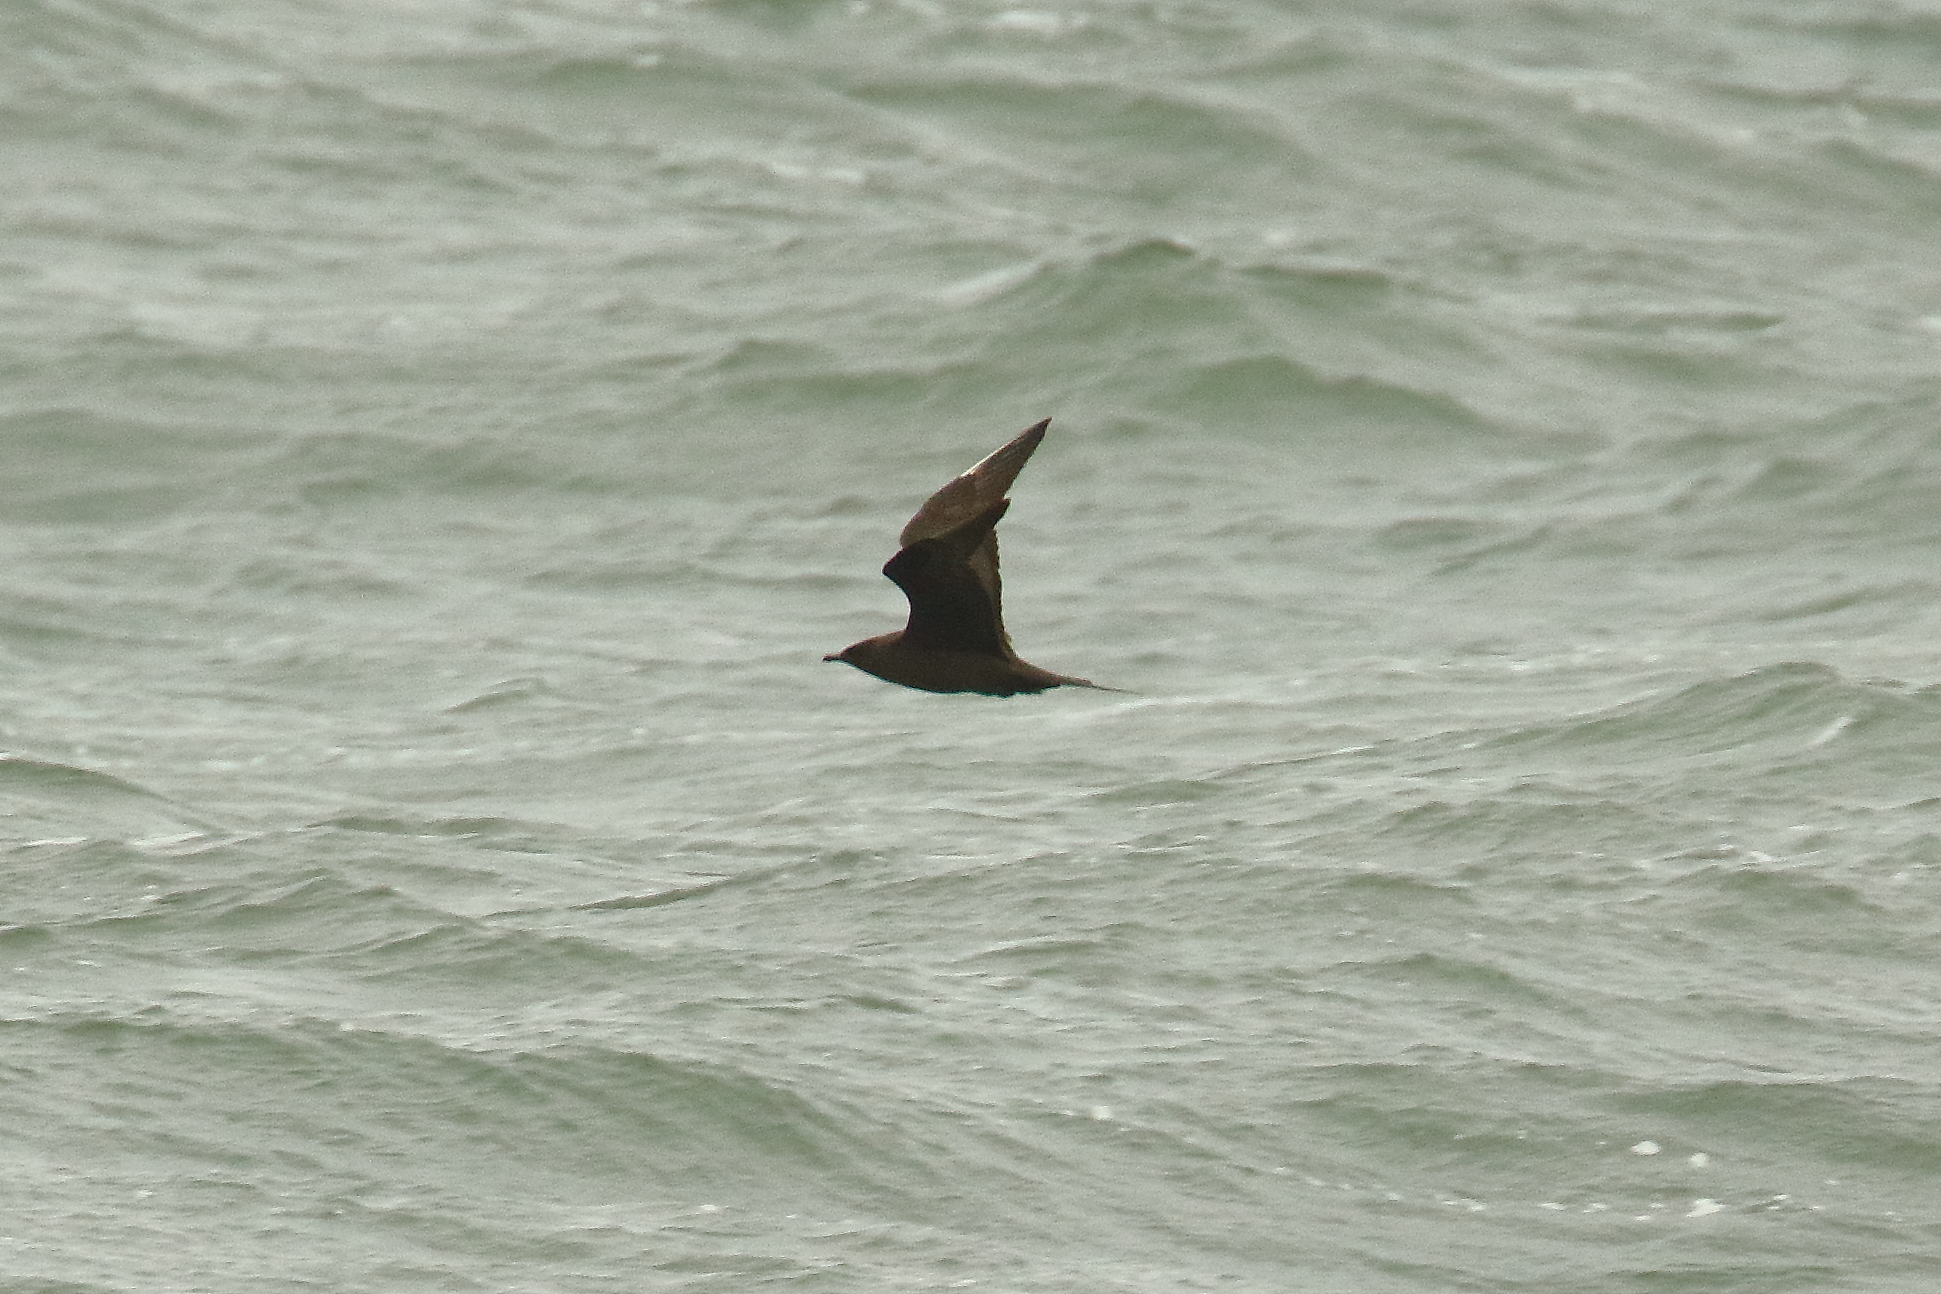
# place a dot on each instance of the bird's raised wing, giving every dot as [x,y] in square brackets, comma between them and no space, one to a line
[951,608]
[970,495]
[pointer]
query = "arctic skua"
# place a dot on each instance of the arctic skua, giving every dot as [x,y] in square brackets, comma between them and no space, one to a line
[947,568]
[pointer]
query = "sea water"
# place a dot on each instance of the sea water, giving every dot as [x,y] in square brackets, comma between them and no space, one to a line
[1497,447]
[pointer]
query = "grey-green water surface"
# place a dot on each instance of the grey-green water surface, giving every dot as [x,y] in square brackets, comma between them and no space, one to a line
[1498,446]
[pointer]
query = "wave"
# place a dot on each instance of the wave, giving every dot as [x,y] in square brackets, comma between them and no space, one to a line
[677,1125]
[1766,715]
[50,802]
[1800,726]
[1143,146]
[1839,1118]
[1787,706]
[75,466]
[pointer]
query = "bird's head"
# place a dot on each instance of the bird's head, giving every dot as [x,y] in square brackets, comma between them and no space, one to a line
[863,655]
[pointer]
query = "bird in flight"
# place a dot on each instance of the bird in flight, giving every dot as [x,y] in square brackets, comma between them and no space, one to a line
[947,567]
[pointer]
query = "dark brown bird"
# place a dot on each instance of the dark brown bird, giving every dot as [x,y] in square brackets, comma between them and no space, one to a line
[947,567]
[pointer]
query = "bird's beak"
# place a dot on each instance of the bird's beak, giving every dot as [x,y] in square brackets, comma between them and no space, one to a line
[834,658]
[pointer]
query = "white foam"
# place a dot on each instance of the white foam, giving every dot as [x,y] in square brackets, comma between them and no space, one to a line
[1831,731]
[1037,22]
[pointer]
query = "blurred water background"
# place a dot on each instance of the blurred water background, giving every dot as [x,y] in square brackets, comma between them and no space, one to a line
[1498,446]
